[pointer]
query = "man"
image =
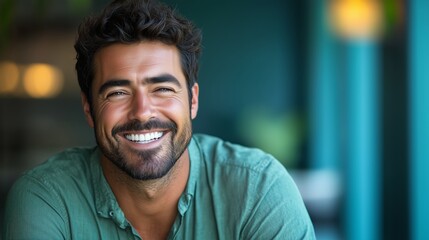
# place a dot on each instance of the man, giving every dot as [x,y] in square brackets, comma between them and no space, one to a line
[149,177]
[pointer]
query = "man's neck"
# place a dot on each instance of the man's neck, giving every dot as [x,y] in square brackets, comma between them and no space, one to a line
[150,206]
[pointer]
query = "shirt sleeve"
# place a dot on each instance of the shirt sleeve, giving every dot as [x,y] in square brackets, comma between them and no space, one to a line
[33,211]
[279,212]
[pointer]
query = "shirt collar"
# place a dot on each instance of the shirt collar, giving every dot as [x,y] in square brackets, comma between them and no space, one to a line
[194,173]
[105,201]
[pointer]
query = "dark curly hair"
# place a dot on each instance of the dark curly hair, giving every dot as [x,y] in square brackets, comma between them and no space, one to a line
[131,21]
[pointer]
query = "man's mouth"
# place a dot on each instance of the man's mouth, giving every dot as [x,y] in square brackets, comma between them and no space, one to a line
[144,137]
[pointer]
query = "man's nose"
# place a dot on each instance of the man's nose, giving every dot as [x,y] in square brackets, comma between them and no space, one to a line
[141,107]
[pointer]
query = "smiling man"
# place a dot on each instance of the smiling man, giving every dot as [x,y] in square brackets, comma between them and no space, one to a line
[140,109]
[149,177]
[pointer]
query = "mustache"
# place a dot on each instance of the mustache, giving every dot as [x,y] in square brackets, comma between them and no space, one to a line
[136,125]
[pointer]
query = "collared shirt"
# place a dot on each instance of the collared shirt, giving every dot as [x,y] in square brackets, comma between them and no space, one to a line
[232,192]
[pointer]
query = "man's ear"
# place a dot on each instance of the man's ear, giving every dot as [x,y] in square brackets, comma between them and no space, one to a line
[87,109]
[194,100]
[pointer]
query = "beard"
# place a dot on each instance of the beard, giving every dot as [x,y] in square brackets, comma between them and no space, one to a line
[152,163]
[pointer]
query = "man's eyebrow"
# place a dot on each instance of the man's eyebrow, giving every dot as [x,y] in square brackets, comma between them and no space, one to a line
[151,80]
[165,78]
[113,83]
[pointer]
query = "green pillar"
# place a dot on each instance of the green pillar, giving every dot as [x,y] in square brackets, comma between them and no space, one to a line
[419,118]
[363,161]
[324,102]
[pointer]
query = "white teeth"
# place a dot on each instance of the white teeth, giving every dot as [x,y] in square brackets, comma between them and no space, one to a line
[147,137]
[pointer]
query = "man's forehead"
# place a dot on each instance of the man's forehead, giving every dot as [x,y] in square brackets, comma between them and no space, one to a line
[137,53]
[147,58]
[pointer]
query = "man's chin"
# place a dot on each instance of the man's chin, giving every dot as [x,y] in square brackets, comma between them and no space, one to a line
[147,167]
[145,175]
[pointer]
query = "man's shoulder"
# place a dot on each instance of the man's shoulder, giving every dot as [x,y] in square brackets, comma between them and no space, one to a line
[62,167]
[60,177]
[218,151]
[55,191]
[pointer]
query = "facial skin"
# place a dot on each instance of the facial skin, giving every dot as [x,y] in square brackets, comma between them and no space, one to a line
[141,111]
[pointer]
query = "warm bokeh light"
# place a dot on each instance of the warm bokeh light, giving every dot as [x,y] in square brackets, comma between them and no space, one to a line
[42,81]
[9,77]
[356,19]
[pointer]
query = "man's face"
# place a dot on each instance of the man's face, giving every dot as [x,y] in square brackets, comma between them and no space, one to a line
[140,107]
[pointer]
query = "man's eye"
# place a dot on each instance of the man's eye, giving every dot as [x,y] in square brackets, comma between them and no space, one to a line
[115,94]
[162,90]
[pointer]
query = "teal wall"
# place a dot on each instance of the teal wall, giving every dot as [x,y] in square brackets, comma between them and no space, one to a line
[249,67]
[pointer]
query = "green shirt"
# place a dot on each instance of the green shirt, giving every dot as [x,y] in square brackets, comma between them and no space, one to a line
[232,192]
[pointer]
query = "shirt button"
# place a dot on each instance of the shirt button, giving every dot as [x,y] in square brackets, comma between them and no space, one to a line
[111,213]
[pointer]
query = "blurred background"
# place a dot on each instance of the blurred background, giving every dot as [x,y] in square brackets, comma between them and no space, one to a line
[334,89]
